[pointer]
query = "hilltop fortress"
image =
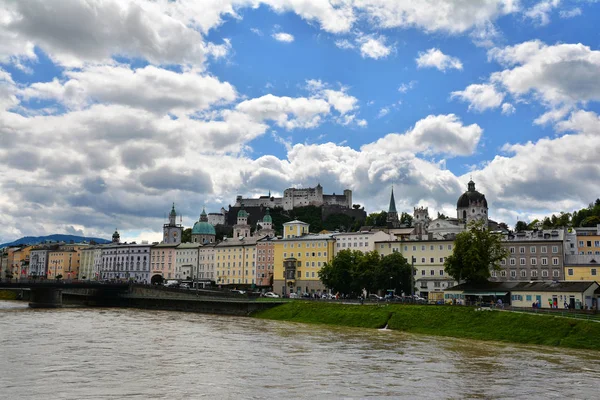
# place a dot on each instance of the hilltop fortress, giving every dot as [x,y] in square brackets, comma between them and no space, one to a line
[293,198]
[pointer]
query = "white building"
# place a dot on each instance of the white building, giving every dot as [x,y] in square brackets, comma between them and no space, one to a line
[38,262]
[186,260]
[300,197]
[361,241]
[206,262]
[124,261]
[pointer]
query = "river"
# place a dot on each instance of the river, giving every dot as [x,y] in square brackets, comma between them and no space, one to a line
[79,353]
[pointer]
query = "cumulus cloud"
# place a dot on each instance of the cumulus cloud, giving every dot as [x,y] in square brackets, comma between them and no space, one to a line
[561,74]
[540,12]
[436,59]
[480,96]
[283,37]
[570,13]
[374,47]
[508,109]
[151,88]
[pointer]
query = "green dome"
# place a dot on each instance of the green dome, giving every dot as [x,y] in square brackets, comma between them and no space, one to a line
[242,214]
[267,217]
[203,228]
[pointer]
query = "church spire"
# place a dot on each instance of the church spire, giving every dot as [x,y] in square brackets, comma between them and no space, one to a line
[392,208]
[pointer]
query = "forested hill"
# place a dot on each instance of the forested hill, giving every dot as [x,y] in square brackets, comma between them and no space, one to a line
[589,216]
[29,240]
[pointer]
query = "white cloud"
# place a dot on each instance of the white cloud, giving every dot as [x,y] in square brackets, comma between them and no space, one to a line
[405,87]
[540,12]
[383,112]
[344,44]
[562,74]
[256,31]
[435,58]
[570,13]
[480,96]
[508,109]
[150,88]
[283,37]
[374,47]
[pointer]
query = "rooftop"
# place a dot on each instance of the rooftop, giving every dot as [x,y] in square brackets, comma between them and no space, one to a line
[537,286]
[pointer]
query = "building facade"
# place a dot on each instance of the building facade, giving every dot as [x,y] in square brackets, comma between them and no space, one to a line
[361,241]
[588,240]
[186,260]
[265,260]
[206,262]
[162,261]
[172,231]
[236,261]
[533,256]
[126,262]
[38,262]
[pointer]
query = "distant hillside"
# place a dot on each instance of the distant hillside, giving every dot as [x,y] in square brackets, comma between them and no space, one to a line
[53,238]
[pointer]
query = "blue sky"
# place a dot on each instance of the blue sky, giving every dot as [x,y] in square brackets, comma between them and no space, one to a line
[111,110]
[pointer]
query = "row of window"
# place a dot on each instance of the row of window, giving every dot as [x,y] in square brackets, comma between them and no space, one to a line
[533,249]
[590,253]
[422,247]
[318,254]
[523,273]
[299,245]
[593,271]
[532,261]
[588,243]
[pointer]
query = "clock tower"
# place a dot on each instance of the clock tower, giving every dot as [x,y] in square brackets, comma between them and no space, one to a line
[172,231]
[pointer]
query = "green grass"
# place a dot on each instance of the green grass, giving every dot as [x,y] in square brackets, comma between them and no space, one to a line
[7,295]
[459,322]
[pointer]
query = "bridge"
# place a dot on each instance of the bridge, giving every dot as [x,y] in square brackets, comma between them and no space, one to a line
[50,294]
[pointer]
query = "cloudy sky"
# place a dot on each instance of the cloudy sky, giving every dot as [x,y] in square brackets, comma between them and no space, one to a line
[110,110]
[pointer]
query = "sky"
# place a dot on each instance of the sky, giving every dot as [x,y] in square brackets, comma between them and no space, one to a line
[111,110]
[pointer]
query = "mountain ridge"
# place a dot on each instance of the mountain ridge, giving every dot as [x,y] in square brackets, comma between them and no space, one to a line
[30,240]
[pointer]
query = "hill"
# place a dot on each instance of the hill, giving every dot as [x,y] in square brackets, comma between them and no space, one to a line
[53,238]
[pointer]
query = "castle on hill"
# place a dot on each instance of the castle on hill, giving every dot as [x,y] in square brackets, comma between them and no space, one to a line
[293,198]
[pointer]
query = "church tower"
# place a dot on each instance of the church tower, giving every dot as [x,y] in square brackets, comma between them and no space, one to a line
[392,216]
[265,228]
[472,206]
[241,229]
[172,231]
[116,238]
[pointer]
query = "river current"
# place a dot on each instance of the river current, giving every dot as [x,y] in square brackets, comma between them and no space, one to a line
[78,353]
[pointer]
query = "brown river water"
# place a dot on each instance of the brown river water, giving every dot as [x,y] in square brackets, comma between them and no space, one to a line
[78,353]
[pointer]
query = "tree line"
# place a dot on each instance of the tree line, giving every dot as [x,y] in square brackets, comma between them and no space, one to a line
[589,216]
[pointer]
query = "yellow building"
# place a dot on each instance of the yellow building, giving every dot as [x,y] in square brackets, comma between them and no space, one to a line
[582,268]
[588,240]
[429,255]
[298,258]
[235,261]
[65,262]
[18,261]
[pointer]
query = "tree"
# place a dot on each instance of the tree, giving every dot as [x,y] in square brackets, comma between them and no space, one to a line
[406,219]
[186,235]
[394,273]
[376,219]
[503,226]
[441,215]
[591,221]
[476,251]
[521,226]
[339,274]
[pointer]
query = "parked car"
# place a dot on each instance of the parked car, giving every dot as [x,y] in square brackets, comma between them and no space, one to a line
[293,295]
[235,291]
[375,297]
[271,295]
[184,286]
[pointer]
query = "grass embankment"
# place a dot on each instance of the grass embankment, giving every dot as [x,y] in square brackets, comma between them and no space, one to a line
[453,321]
[8,295]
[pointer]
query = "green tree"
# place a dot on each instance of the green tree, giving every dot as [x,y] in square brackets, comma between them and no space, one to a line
[441,216]
[521,226]
[394,273]
[339,274]
[377,219]
[186,235]
[476,251]
[591,221]
[365,275]
[406,219]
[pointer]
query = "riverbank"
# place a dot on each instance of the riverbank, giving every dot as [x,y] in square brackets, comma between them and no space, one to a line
[453,321]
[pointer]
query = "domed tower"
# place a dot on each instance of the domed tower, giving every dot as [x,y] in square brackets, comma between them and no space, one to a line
[472,206]
[116,238]
[265,228]
[241,229]
[203,232]
[172,231]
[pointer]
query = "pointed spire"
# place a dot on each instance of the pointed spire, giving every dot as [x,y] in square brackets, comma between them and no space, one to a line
[392,208]
[173,210]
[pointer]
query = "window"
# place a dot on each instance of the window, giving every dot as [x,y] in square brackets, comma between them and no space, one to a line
[589,243]
[449,247]
[532,249]
[423,259]
[441,272]
[544,249]
[544,261]
[503,274]
[593,271]
[414,248]
[432,260]
[512,250]
[423,272]
[570,271]
[522,250]
[533,261]
[441,259]
[534,274]
[581,243]
[544,273]
[556,273]
[503,262]
[523,273]
[513,274]
[597,243]
[432,272]
[522,261]
[554,260]
[422,248]
[513,261]
[405,248]
[554,249]
[528,297]
[431,247]
[494,274]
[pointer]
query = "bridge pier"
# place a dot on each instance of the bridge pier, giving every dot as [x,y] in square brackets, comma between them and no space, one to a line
[45,297]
